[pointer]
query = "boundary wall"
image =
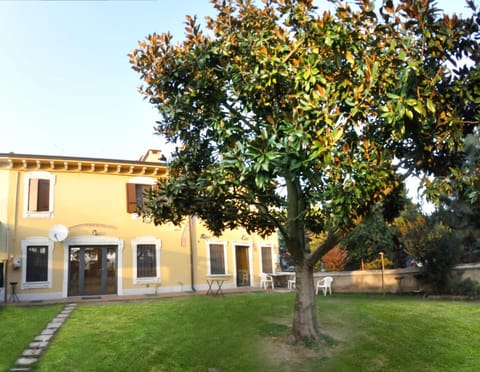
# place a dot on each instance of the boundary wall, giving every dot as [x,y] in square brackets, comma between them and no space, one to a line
[394,280]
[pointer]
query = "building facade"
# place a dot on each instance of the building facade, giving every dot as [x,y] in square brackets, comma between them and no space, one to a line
[68,228]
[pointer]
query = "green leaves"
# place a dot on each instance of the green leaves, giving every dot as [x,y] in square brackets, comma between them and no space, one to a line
[277,94]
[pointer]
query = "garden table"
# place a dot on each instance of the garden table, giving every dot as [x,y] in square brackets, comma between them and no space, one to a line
[217,279]
[281,278]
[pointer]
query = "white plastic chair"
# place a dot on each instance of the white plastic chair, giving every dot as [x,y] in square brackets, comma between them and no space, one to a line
[292,282]
[325,284]
[265,280]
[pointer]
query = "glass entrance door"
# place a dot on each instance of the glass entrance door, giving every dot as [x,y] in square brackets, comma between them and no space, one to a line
[243,269]
[92,270]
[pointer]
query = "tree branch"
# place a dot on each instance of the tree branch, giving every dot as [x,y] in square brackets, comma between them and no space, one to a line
[333,238]
[295,48]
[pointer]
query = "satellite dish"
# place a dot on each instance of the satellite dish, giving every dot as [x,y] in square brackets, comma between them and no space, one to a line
[58,233]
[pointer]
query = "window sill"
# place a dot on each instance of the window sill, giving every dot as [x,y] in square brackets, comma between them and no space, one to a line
[36,285]
[38,215]
[147,281]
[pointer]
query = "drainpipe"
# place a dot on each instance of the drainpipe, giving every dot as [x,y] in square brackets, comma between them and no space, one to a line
[383,271]
[192,242]
[5,265]
[5,262]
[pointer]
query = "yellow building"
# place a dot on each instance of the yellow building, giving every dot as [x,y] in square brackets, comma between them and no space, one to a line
[68,227]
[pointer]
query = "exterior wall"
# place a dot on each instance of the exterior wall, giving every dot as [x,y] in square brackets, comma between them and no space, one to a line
[91,202]
[471,271]
[370,281]
[394,281]
[4,188]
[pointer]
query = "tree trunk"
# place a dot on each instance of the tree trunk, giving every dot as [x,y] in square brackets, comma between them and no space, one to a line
[305,321]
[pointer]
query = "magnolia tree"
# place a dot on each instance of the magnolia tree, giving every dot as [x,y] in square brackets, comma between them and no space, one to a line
[294,119]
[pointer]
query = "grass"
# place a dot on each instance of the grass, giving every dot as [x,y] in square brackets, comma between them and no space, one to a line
[399,334]
[248,332]
[18,327]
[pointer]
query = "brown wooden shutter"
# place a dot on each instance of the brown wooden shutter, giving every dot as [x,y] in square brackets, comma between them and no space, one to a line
[43,201]
[32,194]
[131,198]
[217,259]
[267,259]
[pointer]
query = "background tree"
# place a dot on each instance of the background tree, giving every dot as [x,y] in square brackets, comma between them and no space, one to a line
[292,120]
[335,259]
[460,207]
[377,233]
[412,227]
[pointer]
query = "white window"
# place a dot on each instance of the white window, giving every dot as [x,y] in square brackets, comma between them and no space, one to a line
[136,190]
[146,260]
[217,258]
[37,261]
[38,194]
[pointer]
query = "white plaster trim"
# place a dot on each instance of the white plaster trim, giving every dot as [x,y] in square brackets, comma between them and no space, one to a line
[143,180]
[37,240]
[45,296]
[141,291]
[26,189]
[225,253]
[250,259]
[158,244]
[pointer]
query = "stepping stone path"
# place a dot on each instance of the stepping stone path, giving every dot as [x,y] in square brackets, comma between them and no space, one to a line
[32,354]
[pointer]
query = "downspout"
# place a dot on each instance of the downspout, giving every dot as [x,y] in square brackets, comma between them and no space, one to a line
[192,242]
[5,265]
[15,224]
[7,231]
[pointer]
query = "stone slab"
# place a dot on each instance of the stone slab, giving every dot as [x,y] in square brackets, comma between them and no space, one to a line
[38,345]
[43,338]
[48,331]
[32,352]
[54,325]
[26,361]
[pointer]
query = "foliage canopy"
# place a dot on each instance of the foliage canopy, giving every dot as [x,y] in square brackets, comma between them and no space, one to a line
[293,119]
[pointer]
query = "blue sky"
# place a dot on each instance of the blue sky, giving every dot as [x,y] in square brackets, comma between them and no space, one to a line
[66,86]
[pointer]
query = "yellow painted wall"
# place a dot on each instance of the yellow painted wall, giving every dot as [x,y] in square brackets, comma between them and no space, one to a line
[86,201]
[4,189]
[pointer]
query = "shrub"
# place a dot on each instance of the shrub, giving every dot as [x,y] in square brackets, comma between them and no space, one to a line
[463,287]
[439,257]
[376,264]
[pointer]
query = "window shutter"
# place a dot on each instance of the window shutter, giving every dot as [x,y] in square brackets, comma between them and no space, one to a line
[131,198]
[217,259]
[267,259]
[43,201]
[33,194]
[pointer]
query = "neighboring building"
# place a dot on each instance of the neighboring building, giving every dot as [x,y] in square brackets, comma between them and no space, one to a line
[68,227]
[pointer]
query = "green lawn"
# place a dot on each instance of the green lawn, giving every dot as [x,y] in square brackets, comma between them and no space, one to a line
[19,326]
[248,332]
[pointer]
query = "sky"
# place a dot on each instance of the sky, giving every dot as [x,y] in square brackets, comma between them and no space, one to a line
[66,85]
